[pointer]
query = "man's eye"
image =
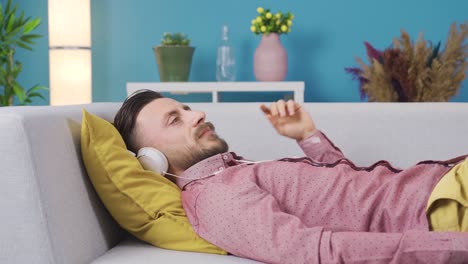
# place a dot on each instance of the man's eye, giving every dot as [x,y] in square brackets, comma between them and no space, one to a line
[175,120]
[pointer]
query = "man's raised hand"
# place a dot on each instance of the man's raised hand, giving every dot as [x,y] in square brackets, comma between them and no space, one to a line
[289,119]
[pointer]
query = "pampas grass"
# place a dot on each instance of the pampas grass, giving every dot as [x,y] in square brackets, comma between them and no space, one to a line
[414,72]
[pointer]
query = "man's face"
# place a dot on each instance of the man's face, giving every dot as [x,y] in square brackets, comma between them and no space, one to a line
[180,133]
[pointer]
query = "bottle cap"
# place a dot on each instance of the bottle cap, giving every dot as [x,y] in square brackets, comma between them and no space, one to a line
[224,32]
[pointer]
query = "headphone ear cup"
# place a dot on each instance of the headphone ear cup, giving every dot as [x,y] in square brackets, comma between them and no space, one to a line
[153,160]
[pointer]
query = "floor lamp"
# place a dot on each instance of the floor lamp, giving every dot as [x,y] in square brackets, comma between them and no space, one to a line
[70,52]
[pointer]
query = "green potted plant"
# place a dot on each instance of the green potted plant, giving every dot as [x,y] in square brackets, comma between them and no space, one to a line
[174,57]
[15,33]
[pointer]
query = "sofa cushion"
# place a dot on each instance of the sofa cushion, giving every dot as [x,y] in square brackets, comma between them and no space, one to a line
[144,203]
[131,251]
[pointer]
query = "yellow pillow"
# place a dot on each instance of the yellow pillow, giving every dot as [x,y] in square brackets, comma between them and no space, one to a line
[144,203]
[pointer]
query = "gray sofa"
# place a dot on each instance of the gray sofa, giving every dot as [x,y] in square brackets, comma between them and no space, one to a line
[51,214]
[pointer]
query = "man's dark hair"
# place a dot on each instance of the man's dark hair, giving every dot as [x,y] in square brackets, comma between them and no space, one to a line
[125,118]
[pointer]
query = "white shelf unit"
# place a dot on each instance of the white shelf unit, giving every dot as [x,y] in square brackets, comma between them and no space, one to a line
[214,87]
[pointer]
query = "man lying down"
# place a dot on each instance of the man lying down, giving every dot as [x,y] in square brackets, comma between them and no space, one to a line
[317,209]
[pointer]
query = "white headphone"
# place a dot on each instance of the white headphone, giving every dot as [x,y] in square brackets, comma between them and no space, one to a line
[154,160]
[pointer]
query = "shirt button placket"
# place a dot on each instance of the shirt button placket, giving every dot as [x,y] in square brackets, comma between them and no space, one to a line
[225,160]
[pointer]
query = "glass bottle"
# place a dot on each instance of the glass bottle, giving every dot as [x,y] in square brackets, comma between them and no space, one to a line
[225,61]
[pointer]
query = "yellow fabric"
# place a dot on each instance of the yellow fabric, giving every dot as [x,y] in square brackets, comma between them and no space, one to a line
[447,207]
[144,203]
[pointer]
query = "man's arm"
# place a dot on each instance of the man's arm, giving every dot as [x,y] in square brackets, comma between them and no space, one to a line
[291,120]
[248,222]
[319,148]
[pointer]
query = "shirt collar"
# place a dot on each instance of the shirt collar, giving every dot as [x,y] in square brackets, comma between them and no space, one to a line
[207,167]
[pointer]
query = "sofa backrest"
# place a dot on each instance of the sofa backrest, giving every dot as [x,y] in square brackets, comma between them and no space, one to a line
[51,213]
[402,133]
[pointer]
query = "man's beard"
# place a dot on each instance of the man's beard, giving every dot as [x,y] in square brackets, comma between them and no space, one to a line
[197,153]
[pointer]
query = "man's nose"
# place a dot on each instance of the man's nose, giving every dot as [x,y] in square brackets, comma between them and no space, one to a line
[198,118]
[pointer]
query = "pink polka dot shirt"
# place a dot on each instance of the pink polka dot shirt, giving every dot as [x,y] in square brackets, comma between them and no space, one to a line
[319,209]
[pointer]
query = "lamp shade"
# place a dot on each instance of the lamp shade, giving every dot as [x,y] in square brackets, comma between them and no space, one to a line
[69,23]
[70,52]
[70,76]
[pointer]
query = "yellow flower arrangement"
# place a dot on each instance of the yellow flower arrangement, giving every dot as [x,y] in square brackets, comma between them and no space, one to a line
[266,22]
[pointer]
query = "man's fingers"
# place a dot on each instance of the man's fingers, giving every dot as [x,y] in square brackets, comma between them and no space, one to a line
[265,109]
[281,108]
[291,107]
[267,113]
[274,109]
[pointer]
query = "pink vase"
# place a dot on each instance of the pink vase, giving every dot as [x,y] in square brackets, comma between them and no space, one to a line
[270,59]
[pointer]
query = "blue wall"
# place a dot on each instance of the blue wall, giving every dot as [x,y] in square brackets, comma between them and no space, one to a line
[325,38]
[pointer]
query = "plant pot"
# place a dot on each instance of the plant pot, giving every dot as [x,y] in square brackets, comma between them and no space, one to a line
[270,59]
[174,62]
